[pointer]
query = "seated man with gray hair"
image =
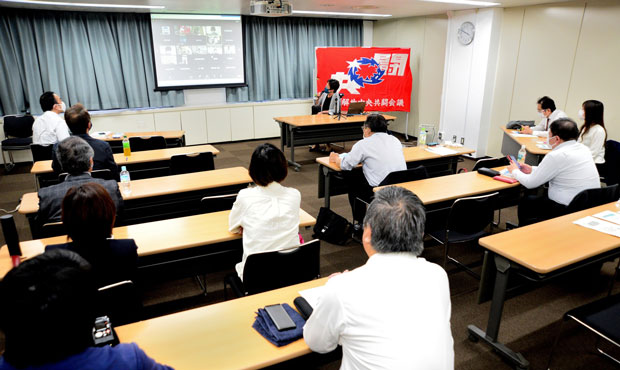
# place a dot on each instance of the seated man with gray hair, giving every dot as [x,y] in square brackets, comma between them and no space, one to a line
[76,158]
[393,312]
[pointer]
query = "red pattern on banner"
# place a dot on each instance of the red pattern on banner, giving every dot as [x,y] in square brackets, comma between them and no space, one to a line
[379,76]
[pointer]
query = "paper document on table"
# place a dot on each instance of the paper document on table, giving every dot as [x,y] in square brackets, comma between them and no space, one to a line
[609,216]
[599,225]
[517,134]
[100,133]
[312,295]
[440,150]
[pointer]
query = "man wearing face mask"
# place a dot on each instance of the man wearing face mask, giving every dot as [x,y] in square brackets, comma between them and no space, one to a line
[568,168]
[50,128]
[379,153]
[548,112]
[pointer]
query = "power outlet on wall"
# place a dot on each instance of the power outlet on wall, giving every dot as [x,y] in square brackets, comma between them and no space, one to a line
[462,141]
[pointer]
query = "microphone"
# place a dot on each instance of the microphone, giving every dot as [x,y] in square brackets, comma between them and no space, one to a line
[12,238]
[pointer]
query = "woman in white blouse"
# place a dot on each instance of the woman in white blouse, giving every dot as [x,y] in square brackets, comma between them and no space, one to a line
[266,214]
[593,134]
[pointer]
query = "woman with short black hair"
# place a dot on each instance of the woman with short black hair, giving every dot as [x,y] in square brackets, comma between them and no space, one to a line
[88,215]
[266,214]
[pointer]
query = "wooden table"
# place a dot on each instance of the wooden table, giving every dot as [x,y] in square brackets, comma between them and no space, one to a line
[511,146]
[156,238]
[318,129]
[436,165]
[219,336]
[163,197]
[173,138]
[144,164]
[540,252]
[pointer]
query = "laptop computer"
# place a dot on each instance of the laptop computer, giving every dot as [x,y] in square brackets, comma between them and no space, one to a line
[356,108]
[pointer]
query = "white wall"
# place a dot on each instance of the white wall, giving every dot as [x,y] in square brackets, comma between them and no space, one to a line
[426,36]
[568,51]
[469,78]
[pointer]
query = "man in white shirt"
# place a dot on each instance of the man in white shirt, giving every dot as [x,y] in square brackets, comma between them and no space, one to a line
[50,127]
[379,153]
[568,168]
[548,112]
[393,312]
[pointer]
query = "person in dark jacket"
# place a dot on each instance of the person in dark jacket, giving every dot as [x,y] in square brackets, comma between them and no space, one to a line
[88,215]
[78,120]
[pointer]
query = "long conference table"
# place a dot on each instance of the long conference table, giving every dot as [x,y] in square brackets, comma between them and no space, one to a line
[219,336]
[438,193]
[144,164]
[163,197]
[162,241]
[538,252]
[511,145]
[318,129]
[330,183]
[173,138]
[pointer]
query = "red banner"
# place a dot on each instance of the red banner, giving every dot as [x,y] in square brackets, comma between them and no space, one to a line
[379,76]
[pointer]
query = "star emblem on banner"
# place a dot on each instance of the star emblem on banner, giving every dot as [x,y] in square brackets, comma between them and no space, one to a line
[365,71]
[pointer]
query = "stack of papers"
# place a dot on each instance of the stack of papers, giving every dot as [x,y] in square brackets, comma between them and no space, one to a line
[440,150]
[606,222]
[518,134]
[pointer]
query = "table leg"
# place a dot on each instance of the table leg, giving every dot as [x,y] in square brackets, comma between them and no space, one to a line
[495,316]
[326,174]
[282,135]
[292,162]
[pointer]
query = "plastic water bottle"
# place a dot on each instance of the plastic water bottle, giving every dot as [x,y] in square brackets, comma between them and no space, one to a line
[521,155]
[125,181]
[126,147]
[422,137]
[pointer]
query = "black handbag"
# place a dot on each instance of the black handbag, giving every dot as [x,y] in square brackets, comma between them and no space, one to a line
[332,227]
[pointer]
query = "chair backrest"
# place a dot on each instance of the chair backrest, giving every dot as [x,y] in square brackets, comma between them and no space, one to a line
[410,174]
[216,203]
[120,302]
[272,270]
[51,229]
[194,162]
[41,152]
[612,162]
[491,162]
[104,174]
[141,143]
[472,214]
[593,197]
[18,126]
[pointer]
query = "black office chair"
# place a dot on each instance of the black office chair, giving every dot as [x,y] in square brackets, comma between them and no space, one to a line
[141,143]
[277,269]
[593,197]
[410,174]
[18,134]
[104,174]
[120,302]
[612,162]
[491,162]
[467,221]
[600,317]
[41,152]
[397,177]
[194,162]
[216,203]
[51,229]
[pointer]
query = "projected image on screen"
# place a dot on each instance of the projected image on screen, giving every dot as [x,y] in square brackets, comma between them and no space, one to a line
[197,50]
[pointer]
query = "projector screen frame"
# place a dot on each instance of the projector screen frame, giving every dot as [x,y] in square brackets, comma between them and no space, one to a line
[207,86]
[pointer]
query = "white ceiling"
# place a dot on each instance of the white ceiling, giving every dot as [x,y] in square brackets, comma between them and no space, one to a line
[397,8]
